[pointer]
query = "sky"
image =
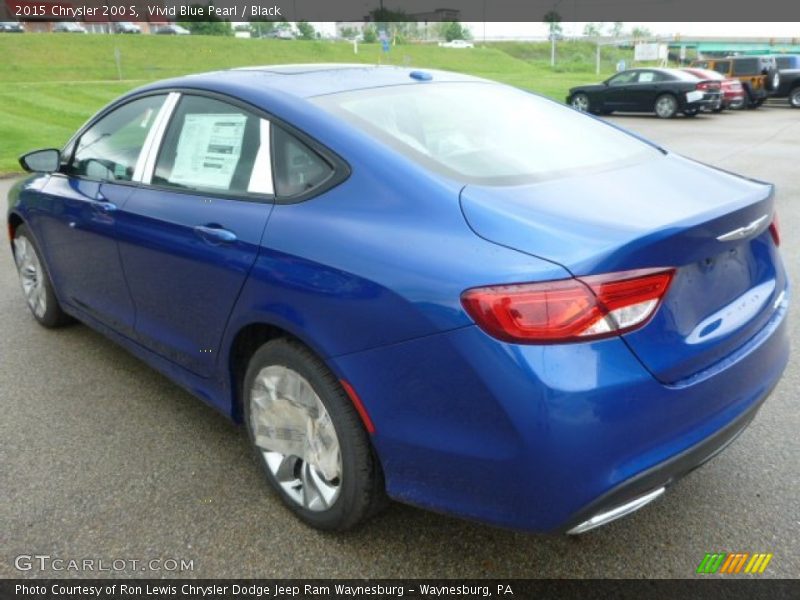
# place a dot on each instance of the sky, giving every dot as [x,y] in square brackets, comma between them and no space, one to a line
[717,29]
[516,30]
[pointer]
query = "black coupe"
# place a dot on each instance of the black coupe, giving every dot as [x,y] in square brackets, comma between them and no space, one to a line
[666,92]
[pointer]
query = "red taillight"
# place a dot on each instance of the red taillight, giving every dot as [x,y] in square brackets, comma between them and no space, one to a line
[707,85]
[775,230]
[568,310]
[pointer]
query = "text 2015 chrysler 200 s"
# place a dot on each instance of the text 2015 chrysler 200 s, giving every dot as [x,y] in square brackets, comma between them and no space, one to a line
[417,284]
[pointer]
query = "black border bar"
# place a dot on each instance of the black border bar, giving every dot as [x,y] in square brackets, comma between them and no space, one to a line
[709,586]
[437,10]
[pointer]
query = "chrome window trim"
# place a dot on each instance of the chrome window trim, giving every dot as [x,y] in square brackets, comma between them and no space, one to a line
[152,144]
[261,181]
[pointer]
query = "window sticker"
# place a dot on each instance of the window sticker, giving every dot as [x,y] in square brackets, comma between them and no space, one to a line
[208,150]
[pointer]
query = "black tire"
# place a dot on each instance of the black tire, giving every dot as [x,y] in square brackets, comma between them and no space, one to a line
[581,102]
[670,104]
[794,97]
[361,484]
[759,102]
[749,98]
[52,315]
[772,80]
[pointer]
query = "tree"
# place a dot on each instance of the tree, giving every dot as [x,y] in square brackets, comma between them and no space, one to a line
[261,28]
[348,33]
[641,32]
[370,34]
[593,30]
[306,30]
[553,21]
[453,30]
[207,24]
[617,29]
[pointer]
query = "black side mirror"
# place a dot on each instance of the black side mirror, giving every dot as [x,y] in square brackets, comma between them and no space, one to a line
[41,161]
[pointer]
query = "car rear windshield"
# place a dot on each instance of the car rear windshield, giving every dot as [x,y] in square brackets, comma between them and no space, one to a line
[486,133]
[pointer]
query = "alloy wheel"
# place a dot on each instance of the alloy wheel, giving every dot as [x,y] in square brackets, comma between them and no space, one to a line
[794,98]
[666,107]
[580,102]
[31,275]
[296,436]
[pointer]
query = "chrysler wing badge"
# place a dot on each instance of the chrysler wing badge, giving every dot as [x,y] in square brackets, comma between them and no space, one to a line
[743,232]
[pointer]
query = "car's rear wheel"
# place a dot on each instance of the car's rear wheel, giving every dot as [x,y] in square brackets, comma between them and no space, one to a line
[666,106]
[35,280]
[580,102]
[309,438]
[794,97]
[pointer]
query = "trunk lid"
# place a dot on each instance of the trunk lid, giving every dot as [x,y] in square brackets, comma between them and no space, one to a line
[665,212]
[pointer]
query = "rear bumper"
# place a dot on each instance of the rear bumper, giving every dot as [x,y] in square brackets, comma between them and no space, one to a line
[541,438]
[664,474]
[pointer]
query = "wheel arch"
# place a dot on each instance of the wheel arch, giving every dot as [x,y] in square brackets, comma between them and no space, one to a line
[14,221]
[671,94]
[243,344]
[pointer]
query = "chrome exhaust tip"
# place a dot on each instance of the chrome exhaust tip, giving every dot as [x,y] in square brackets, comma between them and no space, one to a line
[615,513]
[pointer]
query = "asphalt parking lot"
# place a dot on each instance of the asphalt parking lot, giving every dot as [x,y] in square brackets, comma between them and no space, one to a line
[103,458]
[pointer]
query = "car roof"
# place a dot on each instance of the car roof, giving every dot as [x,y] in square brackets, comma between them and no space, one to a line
[309,80]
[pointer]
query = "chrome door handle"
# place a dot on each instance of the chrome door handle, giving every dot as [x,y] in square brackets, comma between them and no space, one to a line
[215,234]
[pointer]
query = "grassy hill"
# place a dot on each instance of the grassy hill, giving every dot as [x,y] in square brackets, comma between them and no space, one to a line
[51,83]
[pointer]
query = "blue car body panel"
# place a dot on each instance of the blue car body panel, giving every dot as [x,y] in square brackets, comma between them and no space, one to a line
[369,275]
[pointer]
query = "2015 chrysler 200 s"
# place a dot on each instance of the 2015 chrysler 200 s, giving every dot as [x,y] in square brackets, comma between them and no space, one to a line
[417,284]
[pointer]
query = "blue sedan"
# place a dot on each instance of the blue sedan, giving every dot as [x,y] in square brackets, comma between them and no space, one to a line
[417,285]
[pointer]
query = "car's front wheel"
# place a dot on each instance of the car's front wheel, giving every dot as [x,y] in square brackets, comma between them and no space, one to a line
[666,106]
[35,280]
[309,438]
[580,102]
[794,97]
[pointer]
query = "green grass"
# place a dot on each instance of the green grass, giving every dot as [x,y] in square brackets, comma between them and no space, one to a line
[51,83]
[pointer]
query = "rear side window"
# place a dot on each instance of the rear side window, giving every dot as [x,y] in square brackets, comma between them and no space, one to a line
[485,133]
[745,66]
[722,66]
[215,147]
[784,62]
[624,78]
[110,149]
[298,168]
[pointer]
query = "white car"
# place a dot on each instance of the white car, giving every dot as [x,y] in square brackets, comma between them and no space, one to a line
[69,27]
[457,44]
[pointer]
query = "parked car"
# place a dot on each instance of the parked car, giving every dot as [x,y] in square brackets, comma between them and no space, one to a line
[11,27]
[733,95]
[279,34]
[69,27]
[666,92]
[758,74]
[789,68]
[172,29]
[512,311]
[127,27]
[457,44]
